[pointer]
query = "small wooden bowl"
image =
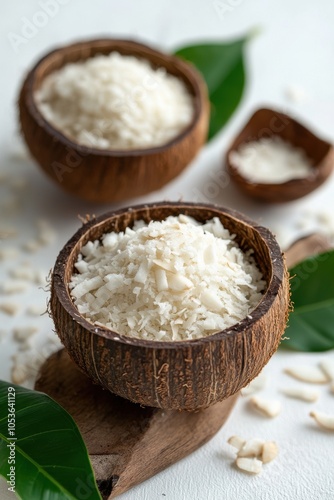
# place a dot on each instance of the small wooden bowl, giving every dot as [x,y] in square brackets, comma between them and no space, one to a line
[110,175]
[268,123]
[186,375]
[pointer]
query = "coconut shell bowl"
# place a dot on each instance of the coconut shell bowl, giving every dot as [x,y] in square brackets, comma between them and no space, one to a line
[267,123]
[180,375]
[110,175]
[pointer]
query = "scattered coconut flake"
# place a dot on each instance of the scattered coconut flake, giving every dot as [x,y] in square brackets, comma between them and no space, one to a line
[28,360]
[8,253]
[24,273]
[270,160]
[268,407]
[251,448]
[46,233]
[21,334]
[150,282]
[36,310]
[269,451]
[303,393]
[10,308]
[257,384]
[251,454]
[324,420]
[41,277]
[327,366]
[307,373]
[237,442]
[8,232]
[252,465]
[31,246]
[13,286]
[19,372]
[25,345]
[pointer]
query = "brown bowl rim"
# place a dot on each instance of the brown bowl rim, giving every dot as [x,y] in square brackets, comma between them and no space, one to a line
[277,277]
[296,182]
[193,78]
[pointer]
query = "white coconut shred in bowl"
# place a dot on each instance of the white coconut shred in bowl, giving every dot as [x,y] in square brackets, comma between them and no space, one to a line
[116,101]
[171,280]
[271,160]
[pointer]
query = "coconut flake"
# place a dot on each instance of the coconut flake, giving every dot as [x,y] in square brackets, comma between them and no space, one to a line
[327,366]
[8,253]
[116,101]
[148,281]
[268,407]
[303,393]
[307,373]
[21,334]
[10,308]
[271,160]
[14,286]
[36,310]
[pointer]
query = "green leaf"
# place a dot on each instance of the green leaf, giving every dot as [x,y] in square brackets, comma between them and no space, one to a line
[311,324]
[222,66]
[51,459]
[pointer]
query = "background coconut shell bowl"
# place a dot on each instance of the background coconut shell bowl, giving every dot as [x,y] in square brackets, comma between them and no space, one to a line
[266,123]
[185,375]
[101,175]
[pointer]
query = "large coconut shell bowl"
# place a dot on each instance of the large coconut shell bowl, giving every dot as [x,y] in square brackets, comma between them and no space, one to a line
[110,175]
[185,375]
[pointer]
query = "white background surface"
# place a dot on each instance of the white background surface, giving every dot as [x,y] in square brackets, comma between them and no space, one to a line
[295,47]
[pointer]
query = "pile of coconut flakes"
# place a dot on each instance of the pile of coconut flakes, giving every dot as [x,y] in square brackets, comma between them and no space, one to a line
[170,280]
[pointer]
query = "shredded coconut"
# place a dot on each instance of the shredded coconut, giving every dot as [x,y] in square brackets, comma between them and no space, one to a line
[13,286]
[116,102]
[36,309]
[8,253]
[270,161]
[169,280]
[10,308]
[31,246]
[21,334]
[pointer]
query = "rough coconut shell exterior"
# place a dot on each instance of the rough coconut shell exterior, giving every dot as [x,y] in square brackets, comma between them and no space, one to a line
[267,123]
[186,375]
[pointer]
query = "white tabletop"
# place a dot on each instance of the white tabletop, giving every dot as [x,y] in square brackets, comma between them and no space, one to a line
[295,48]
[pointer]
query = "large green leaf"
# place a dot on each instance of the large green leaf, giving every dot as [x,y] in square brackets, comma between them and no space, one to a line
[311,324]
[51,459]
[222,66]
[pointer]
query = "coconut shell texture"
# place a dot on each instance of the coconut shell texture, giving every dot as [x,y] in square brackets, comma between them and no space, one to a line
[110,175]
[186,375]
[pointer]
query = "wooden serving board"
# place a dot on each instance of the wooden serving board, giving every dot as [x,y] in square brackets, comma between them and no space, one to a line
[128,443]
